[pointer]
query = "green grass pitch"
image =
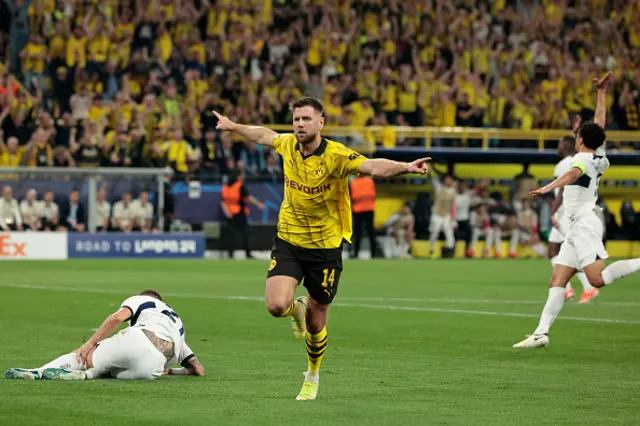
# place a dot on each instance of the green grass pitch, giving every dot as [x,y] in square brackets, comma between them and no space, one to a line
[410,342]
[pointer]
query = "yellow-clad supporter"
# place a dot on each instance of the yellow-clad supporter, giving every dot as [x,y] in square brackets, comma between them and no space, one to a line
[150,67]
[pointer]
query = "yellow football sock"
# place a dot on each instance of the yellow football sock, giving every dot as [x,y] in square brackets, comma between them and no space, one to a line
[292,310]
[316,344]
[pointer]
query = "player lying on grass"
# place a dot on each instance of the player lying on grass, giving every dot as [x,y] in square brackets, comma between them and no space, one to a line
[153,342]
[583,248]
[314,220]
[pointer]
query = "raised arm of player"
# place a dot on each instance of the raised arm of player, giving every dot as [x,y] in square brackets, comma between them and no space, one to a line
[255,134]
[383,168]
[107,328]
[566,179]
[600,117]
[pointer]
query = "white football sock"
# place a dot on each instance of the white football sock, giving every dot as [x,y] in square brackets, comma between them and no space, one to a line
[308,377]
[449,236]
[551,310]
[620,269]
[498,240]
[68,362]
[92,373]
[540,249]
[586,286]
[475,234]
[553,263]
[488,241]
[515,237]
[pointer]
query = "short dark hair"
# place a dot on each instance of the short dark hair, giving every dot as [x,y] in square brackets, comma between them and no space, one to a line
[569,142]
[314,103]
[151,293]
[593,136]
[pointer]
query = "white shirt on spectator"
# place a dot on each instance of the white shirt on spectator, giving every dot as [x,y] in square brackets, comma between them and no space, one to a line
[50,211]
[31,211]
[278,51]
[123,213]
[10,212]
[463,206]
[80,106]
[143,213]
[103,214]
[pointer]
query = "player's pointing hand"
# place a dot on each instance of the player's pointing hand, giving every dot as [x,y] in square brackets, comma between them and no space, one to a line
[420,166]
[223,122]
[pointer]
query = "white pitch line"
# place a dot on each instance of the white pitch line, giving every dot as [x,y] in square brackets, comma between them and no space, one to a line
[487,313]
[442,300]
[116,291]
[459,300]
[340,304]
[349,298]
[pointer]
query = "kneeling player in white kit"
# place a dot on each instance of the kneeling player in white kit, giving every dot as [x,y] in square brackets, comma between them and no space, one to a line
[583,248]
[566,150]
[153,342]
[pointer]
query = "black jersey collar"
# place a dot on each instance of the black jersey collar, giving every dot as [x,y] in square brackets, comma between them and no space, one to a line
[319,151]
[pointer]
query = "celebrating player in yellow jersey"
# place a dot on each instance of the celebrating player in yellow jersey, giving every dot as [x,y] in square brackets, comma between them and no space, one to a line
[314,219]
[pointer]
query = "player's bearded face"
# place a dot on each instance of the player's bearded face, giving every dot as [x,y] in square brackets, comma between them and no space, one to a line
[307,123]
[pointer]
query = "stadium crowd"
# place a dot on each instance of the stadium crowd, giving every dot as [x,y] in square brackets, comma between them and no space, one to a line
[132,83]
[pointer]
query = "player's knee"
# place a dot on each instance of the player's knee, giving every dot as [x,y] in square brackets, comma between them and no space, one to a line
[596,280]
[554,282]
[277,308]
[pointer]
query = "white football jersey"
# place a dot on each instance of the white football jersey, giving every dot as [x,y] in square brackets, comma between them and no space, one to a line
[581,196]
[562,167]
[154,315]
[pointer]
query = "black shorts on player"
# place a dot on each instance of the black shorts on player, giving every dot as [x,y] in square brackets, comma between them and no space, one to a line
[319,268]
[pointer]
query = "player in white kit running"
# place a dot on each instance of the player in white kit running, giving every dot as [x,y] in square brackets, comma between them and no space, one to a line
[583,248]
[154,340]
[566,150]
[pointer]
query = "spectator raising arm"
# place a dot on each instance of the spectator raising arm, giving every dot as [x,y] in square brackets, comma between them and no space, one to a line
[600,117]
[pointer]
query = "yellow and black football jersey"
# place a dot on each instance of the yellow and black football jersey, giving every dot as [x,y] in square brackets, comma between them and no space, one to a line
[316,211]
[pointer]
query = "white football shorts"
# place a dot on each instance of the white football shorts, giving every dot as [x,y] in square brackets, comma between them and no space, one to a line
[583,244]
[556,235]
[128,355]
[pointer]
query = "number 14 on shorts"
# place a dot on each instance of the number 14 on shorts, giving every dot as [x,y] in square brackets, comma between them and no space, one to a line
[329,277]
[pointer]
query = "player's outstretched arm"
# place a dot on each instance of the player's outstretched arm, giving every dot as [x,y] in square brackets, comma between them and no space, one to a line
[255,134]
[193,368]
[566,179]
[600,117]
[107,328]
[383,168]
